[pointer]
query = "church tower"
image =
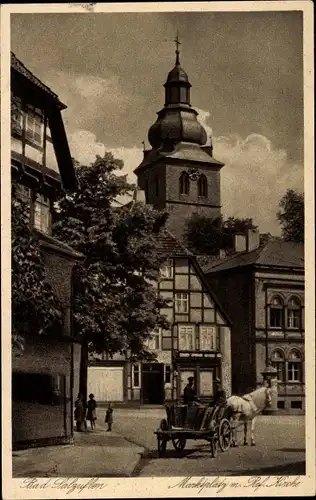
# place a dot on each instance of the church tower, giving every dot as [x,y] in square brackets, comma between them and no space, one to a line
[179,173]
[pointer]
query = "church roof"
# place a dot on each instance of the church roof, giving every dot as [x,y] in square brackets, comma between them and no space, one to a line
[19,67]
[182,151]
[276,253]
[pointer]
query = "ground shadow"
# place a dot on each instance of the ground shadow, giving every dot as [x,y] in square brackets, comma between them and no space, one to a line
[293,469]
[292,450]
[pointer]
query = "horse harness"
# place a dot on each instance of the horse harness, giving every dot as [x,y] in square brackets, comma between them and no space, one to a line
[249,399]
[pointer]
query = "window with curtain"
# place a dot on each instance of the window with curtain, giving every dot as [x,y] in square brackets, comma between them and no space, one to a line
[16,114]
[34,127]
[293,314]
[136,375]
[153,343]
[42,213]
[202,186]
[278,362]
[294,368]
[186,338]
[181,303]
[184,183]
[167,269]
[276,312]
[207,338]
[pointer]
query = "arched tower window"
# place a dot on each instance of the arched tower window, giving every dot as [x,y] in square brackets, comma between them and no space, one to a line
[293,315]
[202,186]
[184,183]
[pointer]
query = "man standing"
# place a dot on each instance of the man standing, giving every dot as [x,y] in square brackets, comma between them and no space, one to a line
[189,394]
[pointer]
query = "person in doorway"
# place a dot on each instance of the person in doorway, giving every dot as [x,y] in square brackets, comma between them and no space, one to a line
[91,411]
[220,394]
[109,417]
[189,394]
[79,412]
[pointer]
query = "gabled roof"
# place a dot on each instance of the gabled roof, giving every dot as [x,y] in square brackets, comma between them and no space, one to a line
[183,151]
[19,67]
[169,245]
[275,253]
[172,247]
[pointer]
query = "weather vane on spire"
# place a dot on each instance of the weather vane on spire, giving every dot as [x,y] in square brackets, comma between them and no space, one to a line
[178,43]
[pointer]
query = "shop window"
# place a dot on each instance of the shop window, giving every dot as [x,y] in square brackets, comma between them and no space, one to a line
[207,338]
[296,405]
[281,405]
[294,367]
[38,388]
[293,313]
[278,362]
[167,269]
[184,183]
[42,213]
[136,375]
[181,303]
[276,313]
[202,186]
[186,338]
[167,374]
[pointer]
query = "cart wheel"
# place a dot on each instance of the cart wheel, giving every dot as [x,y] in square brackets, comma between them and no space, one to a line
[224,434]
[179,443]
[162,445]
[214,447]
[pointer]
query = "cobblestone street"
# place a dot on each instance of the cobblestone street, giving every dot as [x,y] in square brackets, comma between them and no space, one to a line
[279,449]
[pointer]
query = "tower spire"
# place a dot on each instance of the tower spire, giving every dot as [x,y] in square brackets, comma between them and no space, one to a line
[178,43]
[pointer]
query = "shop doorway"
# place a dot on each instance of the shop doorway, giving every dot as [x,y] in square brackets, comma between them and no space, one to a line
[153,383]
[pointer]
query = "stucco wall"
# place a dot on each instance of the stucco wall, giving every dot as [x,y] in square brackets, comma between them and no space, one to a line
[37,421]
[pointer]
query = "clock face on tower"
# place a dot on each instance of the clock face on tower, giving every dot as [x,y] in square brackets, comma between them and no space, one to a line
[193,174]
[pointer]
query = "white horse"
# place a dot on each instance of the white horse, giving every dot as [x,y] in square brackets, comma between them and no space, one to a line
[245,409]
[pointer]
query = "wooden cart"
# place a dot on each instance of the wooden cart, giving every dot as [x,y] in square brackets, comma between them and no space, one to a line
[199,422]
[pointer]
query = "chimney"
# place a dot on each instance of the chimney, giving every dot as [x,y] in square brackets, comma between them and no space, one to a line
[240,243]
[253,239]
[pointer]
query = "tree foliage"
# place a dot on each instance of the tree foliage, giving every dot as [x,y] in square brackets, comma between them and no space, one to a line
[116,306]
[35,307]
[291,216]
[206,236]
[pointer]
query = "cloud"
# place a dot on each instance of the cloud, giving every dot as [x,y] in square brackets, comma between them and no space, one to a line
[88,98]
[255,176]
[84,148]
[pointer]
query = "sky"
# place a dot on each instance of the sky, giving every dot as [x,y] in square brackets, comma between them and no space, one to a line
[246,71]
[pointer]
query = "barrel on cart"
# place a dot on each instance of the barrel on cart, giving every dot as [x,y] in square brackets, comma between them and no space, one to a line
[194,422]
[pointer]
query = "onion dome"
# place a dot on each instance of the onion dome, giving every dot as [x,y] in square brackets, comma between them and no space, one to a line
[177,121]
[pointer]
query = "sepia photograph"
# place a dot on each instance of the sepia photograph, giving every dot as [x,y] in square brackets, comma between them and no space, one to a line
[156,263]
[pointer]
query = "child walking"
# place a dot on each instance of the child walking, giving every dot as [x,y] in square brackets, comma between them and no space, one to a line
[91,411]
[109,417]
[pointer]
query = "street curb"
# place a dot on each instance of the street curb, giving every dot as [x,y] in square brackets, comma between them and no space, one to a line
[140,453]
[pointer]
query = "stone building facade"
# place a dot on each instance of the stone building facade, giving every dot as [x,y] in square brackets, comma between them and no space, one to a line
[45,374]
[263,291]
